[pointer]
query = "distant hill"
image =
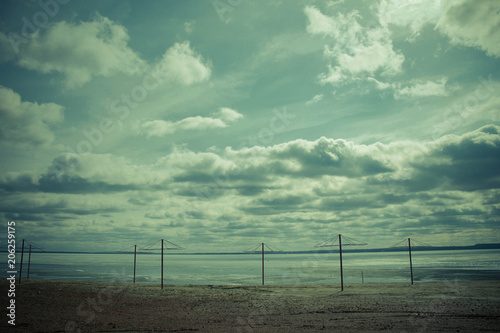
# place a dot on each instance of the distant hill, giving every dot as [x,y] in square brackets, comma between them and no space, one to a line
[485,246]
[345,249]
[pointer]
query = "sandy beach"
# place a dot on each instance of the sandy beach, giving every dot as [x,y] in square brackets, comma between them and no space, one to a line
[71,306]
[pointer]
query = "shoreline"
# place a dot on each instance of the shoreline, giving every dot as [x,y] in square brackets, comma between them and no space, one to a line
[34,280]
[91,306]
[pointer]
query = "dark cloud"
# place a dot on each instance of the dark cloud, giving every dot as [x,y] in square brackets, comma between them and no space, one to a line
[390,198]
[297,188]
[451,223]
[470,162]
[286,201]
[19,183]
[491,198]
[26,122]
[308,221]
[194,177]
[348,203]
[25,217]
[251,190]
[51,183]
[67,184]
[261,210]
[21,207]
[30,206]
[157,215]
[458,212]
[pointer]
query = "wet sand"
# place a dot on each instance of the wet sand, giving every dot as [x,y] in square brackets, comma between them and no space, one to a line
[74,306]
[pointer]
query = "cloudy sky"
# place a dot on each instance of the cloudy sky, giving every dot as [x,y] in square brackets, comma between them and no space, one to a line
[219,125]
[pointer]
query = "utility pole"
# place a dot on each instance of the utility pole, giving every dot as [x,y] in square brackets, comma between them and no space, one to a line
[341,270]
[407,243]
[135,259]
[162,264]
[411,267]
[262,263]
[260,248]
[163,246]
[332,242]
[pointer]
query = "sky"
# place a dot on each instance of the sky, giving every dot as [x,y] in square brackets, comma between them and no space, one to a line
[219,125]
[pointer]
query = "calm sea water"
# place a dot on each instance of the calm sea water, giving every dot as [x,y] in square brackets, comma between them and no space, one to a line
[279,268]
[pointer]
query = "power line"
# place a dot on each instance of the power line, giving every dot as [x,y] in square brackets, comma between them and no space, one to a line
[334,241]
[158,246]
[258,247]
[404,243]
[33,245]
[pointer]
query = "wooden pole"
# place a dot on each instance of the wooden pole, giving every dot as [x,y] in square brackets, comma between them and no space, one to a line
[341,271]
[411,267]
[362,280]
[162,264]
[262,263]
[135,257]
[21,268]
[29,263]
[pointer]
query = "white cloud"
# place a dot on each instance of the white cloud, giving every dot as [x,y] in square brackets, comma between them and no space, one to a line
[334,75]
[358,51]
[412,13]
[379,85]
[315,99]
[334,3]
[100,48]
[417,89]
[298,184]
[181,63]
[320,24]
[183,161]
[107,168]
[466,22]
[27,122]
[81,51]
[302,158]
[159,128]
[228,115]
[473,23]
